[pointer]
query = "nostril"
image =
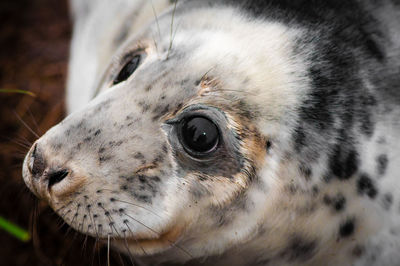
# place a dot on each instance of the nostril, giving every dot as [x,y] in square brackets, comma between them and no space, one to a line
[56,177]
[37,164]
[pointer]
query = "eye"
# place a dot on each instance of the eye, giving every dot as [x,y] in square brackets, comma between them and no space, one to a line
[128,69]
[199,135]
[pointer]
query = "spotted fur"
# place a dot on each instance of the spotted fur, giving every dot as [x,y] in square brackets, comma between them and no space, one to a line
[306,98]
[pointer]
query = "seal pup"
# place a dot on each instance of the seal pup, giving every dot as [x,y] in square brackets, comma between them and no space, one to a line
[230,132]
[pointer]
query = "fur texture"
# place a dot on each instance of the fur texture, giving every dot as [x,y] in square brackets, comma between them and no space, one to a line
[306,98]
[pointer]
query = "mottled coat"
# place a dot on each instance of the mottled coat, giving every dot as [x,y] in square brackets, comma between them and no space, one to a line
[306,98]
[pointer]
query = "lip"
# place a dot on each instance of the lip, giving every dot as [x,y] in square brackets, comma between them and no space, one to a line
[152,244]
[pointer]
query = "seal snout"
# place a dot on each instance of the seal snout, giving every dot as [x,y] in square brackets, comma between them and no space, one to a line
[41,174]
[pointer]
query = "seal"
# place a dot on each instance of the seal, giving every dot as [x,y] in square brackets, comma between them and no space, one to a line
[230,132]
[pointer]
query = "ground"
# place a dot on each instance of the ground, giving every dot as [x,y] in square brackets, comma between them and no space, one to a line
[34,43]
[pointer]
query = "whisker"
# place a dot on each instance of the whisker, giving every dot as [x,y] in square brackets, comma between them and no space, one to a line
[133,204]
[108,250]
[172,29]
[155,16]
[19,142]
[98,253]
[152,230]
[94,251]
[93,222]
[26,125]
[127,248]
[33,120]
[107,213]
[155,43]
[158,234]
[134,238]
[86,236]
[64,206]
[120,258]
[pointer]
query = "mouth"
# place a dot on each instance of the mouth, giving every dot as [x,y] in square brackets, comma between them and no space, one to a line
[149,245]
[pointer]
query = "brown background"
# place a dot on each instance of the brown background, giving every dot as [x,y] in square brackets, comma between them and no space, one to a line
[34,43]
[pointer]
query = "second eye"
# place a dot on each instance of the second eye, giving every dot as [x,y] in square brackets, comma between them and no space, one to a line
[128,69]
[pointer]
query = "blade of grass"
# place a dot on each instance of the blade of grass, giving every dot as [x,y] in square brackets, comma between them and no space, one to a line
[14,230]
[18,91]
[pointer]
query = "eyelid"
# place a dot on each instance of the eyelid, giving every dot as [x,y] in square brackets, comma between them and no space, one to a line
[130,55]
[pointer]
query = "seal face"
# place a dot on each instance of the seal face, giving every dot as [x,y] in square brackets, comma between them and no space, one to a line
[230,133]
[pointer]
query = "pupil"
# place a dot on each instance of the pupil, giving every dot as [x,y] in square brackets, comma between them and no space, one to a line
[128,69]
[200,134]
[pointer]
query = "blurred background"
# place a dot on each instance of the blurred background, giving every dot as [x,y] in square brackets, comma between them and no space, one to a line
[34,45]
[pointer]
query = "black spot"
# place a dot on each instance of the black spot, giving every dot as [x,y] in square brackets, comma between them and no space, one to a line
[138,155]
[87,139]
[366,186]
[164,148]
[155,178]
[300,249]
[159,111]
[268,145]
[95,216]
[145,106]
[315,190]
[347,228]
[351,165]
[104,158]
[112,199]
[101,150]
[107,213]
[124,187]
[305,171]
[143,198]
[57,146]
[367,127]
[299,138]
[343,167]
[121,210]
[327,200]
[358,251]
[339,202]
[97,132]
[382,162]
[158,159]
[387,201]
[142,178]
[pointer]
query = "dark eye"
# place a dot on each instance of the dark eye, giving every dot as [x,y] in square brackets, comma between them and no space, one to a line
[199,135]
[128,69]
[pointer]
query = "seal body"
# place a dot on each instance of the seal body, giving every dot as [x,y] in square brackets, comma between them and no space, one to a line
[231,132]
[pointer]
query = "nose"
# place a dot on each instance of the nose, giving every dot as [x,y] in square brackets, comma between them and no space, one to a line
[43,176]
